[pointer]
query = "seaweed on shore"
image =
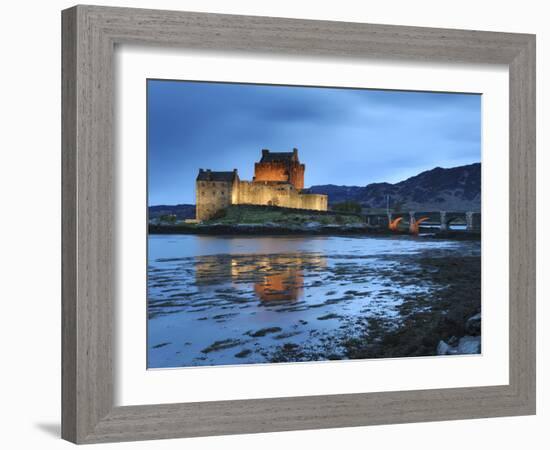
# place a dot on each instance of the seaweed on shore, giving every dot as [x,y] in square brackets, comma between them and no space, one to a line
[425,321]
[221,345]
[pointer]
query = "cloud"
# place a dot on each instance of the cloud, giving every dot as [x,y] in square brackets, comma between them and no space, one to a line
[345,136]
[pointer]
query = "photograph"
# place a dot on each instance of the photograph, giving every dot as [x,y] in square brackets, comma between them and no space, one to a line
[295,224]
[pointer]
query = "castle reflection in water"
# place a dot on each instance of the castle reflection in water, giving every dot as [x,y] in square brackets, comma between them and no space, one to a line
[273,277]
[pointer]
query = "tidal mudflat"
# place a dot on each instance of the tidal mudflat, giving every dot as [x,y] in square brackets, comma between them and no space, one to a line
[215,300]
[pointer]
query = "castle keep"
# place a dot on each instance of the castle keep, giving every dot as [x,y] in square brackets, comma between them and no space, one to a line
[278,181]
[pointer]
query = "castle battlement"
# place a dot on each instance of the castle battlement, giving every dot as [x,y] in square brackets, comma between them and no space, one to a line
[278,181]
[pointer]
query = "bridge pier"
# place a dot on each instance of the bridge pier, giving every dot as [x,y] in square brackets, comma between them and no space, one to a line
[443,220]
[469,221]
[412,223]
[473,221]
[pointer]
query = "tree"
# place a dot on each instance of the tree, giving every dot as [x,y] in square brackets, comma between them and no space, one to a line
[170,218]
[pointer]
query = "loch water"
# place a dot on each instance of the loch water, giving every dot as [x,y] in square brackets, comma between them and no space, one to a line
[218,300]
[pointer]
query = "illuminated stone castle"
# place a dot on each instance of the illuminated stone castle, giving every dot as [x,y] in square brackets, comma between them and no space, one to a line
[278,181]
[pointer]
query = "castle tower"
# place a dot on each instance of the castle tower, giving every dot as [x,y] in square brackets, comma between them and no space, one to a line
[282,167]
[214,192]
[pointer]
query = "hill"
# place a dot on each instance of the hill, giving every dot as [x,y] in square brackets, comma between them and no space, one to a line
[181,212]
[454,189]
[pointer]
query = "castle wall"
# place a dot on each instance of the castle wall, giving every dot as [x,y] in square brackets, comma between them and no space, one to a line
[296,175]
[292,173]
[275,171]
[283,195]
[278,181]
[211,197]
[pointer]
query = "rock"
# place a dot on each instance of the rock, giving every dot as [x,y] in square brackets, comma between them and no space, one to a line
[312,225]
[469,345]
[473,325]
[354,226]
[442,348]
[445,349]
[243,353]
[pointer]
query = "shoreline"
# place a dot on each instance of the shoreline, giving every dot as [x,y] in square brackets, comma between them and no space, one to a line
[443,316]
[428,324]
[328,230]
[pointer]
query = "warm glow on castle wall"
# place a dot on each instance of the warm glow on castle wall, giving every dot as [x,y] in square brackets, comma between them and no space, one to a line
[278,181]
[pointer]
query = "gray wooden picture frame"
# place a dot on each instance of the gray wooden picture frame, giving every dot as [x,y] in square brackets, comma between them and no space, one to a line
[90,34]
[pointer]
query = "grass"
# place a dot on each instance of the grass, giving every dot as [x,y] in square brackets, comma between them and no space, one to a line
[255,215]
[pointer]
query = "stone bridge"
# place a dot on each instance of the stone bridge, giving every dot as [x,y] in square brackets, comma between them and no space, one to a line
[443,220]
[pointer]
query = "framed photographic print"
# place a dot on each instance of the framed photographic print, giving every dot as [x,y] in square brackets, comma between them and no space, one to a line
[278,224]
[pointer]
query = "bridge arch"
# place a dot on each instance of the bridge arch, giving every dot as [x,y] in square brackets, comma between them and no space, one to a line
[457,219]
[434,219]
[395,223]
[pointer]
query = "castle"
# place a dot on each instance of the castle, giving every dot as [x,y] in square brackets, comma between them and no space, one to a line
[278,181]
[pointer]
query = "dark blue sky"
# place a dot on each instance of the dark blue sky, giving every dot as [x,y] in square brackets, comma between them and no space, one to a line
[344,136]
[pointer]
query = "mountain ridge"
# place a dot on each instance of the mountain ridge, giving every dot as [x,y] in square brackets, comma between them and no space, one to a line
[452,189]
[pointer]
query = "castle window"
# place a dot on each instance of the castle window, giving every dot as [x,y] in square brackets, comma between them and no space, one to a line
[202,193]
[222,192]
